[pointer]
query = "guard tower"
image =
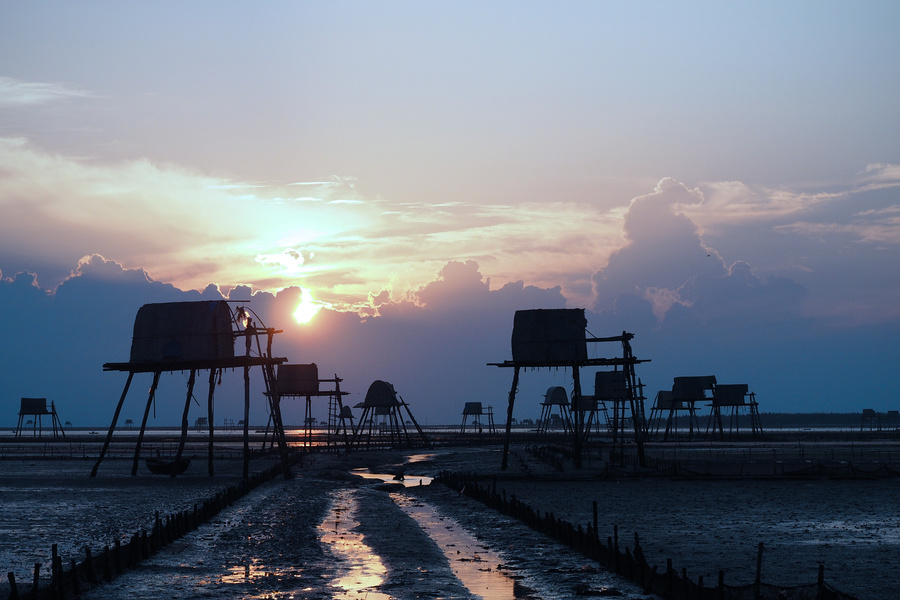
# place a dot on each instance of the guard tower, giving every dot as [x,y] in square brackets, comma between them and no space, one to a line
[302,381]
[556,338]
[345,416]
[665,403]
[36,408]
[871,420]
[688,391]
[196,337]
[476,411]
[382,421]
[587,411]
[737,397]
[614,387]
[555,399]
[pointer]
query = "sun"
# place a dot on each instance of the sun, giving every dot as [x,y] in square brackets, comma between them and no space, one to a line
[307,308]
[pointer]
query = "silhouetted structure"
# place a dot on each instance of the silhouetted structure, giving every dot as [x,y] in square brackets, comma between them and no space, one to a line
[665,402]
[615,387]
[737,397]
[302,381]
[197,336]
[554,338]
[688,391]
[685,394]
[892,419]
[345,416]
[37,408]
[555,398]
[876,421]
[383,402]
[476,411]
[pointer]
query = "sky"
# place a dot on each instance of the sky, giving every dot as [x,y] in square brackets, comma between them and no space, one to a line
[722,180]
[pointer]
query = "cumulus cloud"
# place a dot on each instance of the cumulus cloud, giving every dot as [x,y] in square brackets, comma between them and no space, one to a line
[458,283]
[663,250]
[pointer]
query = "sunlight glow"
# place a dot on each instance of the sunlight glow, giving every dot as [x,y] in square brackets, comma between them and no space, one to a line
[307,308]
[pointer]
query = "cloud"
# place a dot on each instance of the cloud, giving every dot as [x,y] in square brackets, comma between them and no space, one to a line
[435,345]
[663,250]
[457,284]
[190,228]
[15,93]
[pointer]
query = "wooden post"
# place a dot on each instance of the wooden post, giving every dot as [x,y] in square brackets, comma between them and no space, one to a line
[112,425]
[184,418]
[595,518]
[670,574]
[756,585]
[509,414]
[13,590]
[579,418]
[210,414]
[55,569]
[247,344]
[140,440]
[36,581]
[76,588]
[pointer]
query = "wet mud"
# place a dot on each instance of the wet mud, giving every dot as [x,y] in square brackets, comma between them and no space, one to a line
[325,534]
[330,533]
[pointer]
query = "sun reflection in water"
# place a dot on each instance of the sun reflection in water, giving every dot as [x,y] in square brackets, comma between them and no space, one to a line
[362,568]
[473,563]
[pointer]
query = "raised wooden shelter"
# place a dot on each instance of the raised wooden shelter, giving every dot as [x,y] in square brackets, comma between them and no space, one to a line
[477,411]
[556,338]
[555,409]
[302,381]
[732,399]
[37,409]
[195,337]
[382,420]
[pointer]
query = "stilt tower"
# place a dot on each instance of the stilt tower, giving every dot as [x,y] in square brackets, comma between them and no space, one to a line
[197,337]
[477,411]
[737,398]
[666,403]
[302,381]
[556,400]
[554,338]
[37,409]
[390,430]
[624,392]
[687,392]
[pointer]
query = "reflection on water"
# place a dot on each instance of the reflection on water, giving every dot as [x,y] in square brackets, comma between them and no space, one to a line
[362,569]
[473,563]
[398,478]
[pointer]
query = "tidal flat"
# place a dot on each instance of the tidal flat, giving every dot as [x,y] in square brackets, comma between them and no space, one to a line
[330,533]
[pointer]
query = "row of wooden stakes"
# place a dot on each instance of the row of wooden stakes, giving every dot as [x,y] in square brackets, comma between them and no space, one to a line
[631,563]
[64,583]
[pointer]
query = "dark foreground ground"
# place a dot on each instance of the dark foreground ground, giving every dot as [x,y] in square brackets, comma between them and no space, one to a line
[275,542]
[293,538]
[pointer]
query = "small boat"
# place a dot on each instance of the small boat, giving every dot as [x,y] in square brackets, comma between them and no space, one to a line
[166,466]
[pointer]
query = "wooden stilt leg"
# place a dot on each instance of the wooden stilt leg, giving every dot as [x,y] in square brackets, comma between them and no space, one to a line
[184,418]
[579,418]
[509,414]
[210,414]
[140,440]
[246,472]
[112,425]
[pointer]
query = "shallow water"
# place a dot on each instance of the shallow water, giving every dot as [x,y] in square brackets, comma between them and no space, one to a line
[474,563]
[360,570]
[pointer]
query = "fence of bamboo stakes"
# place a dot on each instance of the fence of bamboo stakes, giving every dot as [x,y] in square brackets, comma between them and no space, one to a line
[631,562]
